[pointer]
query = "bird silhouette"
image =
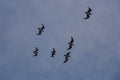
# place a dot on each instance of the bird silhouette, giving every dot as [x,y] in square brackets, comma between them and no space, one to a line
[67,55]
[71,43]
[88,13]
[35,52]
[40,30]
[53,52]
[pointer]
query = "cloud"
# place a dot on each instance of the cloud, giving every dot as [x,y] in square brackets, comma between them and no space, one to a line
[95,55]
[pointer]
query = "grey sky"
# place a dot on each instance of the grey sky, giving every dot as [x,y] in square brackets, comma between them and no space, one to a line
[95,56]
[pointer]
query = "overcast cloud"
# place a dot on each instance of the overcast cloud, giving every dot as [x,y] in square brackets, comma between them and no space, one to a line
[96,51]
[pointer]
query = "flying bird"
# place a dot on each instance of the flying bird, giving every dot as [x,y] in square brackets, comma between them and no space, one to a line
[40,30]
[88,13]
[71,43]
[53,52]
[35,51]
[67,55]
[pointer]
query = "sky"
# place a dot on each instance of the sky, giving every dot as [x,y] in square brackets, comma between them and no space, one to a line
[96,51]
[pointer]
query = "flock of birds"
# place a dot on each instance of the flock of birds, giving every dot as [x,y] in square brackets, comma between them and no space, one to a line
[70,43]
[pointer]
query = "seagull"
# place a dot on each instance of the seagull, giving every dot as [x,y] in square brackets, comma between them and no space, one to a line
[67,55]
[88,13]
[35,51]
[40,30]
[71,43]
[53,52]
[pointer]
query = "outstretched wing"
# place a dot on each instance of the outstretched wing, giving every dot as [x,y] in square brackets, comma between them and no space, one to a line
[43,27]
[36,49]
[72,40]
[35,53]
[66,59]
[68,53]
[89,9]
[87,16]
[54,50]
[70,46]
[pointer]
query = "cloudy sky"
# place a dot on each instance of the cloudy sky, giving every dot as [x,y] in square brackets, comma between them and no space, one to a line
[96,51]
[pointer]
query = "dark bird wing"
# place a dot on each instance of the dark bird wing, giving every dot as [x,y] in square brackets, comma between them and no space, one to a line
[87,16]
[53,54]
[35,53]
[70,46]
[53,51]
[36,49]
[72,40]
[39,33]
[68,53]
[66,59]
[43,27]
[89,9]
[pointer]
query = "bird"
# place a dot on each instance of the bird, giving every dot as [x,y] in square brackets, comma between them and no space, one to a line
[40,30]
[88,13]
[67,55]
[71,43]
[35,52]
[53,52]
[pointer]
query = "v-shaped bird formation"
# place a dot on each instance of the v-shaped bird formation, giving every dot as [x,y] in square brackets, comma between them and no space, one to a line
[70,43]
